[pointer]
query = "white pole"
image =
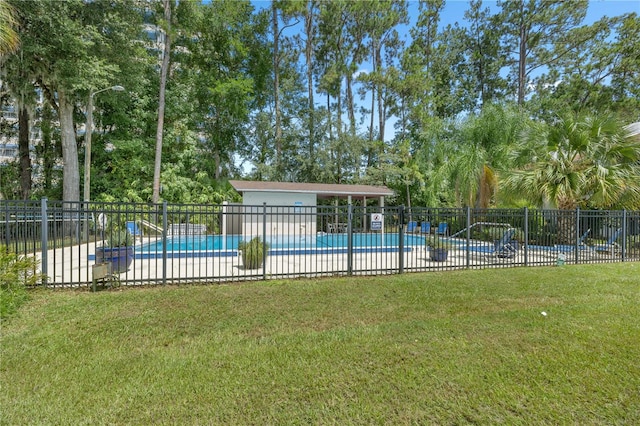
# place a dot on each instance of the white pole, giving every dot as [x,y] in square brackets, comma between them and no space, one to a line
[382,214]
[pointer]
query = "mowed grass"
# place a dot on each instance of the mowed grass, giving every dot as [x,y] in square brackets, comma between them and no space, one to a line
[436,348]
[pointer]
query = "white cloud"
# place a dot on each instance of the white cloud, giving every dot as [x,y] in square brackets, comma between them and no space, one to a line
[359,73]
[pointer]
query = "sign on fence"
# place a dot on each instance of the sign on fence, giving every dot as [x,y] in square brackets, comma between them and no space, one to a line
[376,221]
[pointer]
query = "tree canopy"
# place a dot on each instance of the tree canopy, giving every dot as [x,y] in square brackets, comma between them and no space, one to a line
[454,114]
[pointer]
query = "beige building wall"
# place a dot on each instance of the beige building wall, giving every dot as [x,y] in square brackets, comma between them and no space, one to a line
[289,215]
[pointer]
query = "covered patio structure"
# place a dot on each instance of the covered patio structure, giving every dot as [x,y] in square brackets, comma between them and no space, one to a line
[305,195]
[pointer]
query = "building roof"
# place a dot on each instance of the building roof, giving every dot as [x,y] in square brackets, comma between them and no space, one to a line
[320,189]
[633,130]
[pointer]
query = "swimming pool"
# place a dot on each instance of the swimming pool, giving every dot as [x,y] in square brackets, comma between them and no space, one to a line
[218,245]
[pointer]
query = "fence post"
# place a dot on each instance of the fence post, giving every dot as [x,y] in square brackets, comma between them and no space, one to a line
[468,236]
[350,239]
[264,241]
[44,240]
[164,242]
[576,237]
[401,240]
[7,232]
[526,236]
[223,224]
[624,234]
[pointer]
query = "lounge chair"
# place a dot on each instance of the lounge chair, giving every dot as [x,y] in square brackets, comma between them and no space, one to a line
[505,247]
[134,230]
[567,248]
[611,246]
[412,226]
[425,227]
[443,228]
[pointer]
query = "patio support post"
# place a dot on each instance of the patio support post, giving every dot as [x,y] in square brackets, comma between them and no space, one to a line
[164,242]
[365,226]
[44,239]
[382,213]
[350,240]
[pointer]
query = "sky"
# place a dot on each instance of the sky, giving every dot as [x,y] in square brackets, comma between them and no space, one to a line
[454,12]
[454,9]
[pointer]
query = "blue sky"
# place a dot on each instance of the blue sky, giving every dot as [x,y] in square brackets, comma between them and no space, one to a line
[454,9]
[454,12]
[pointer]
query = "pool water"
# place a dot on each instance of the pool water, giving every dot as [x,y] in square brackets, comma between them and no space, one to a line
[230,242]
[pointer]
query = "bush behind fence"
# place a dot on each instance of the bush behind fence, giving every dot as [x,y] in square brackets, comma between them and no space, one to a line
[174,243]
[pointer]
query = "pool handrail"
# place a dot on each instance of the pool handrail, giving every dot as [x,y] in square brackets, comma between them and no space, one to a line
[506,225]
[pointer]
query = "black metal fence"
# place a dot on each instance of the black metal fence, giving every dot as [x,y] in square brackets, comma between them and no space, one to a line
[170,243]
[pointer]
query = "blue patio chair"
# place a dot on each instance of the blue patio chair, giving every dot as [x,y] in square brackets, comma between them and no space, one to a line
[505,247]
[412,226]
[133,229]
[425,227]
[611,246]
[566,248]
[443,228]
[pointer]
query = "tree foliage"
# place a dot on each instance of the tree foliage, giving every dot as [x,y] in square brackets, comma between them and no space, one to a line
[322,91]
[581,160]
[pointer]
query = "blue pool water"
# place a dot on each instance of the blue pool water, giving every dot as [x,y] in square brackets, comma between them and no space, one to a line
[230,242]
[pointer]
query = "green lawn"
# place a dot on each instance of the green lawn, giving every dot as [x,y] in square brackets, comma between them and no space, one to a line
[435,348]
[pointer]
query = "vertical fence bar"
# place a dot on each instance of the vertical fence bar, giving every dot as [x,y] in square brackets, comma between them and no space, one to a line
[165,223]
[44,239]
[624,235]
[526,236]
[223,225]
[576,237]
[468,237]
[7,233]
[350,239]
[401,240]
[264,241]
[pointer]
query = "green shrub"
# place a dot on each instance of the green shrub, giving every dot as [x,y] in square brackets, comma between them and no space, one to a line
[252,252]
[16,273]
[438,242]
[120,238]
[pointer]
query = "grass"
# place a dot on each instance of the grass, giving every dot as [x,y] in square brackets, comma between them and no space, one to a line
[436,348]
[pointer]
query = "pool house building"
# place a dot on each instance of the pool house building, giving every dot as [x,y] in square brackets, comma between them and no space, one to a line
[292,207]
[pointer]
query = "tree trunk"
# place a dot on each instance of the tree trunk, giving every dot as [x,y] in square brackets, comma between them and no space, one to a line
[373,109]
[23,148]
[522,63]
[350,104]
[309,57]
[48,147]
[161,102]
[276,91]
[567,226]
[70,171]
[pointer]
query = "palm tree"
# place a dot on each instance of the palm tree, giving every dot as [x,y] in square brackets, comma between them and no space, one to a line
[9,39]
[579,161]
[481,152]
